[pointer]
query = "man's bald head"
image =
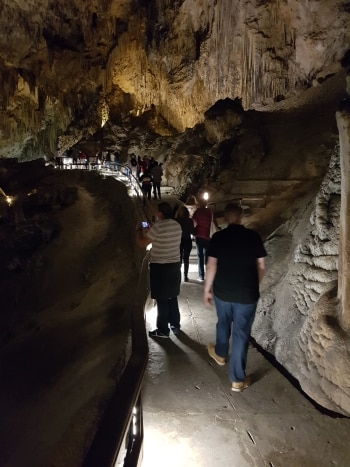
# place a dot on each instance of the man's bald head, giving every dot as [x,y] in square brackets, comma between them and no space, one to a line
[233,213]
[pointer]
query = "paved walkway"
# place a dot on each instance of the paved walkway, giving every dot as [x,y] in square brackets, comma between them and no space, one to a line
[192,418]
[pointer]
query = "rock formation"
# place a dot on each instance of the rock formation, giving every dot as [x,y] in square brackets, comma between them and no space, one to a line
[237,97]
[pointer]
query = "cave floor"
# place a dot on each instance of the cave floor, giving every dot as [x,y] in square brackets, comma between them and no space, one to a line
[191,418]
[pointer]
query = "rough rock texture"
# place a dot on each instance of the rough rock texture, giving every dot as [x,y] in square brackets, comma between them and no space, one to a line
[298,318]
[343,121]
[259,51]
[252,85]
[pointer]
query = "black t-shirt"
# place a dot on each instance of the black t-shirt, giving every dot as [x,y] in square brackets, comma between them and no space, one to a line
[236,249]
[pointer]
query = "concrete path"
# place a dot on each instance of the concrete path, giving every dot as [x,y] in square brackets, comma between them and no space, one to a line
[192,418]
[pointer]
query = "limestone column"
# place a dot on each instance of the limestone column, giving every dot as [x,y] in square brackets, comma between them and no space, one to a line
[343,122]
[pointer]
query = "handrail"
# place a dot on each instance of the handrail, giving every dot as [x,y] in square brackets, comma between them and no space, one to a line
[125,170]
[112,169]
[117,423]
[239,200]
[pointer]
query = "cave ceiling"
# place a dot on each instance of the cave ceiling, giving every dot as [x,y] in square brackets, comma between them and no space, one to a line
[65,66]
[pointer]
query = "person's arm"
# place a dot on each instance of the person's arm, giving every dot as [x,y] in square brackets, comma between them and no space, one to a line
[260,265]
[142,239]
[210,272]
[192,226]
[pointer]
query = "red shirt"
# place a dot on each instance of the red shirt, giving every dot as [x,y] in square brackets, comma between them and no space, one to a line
[202,219]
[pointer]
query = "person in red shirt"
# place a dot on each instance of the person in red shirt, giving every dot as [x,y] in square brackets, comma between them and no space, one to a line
[202,218]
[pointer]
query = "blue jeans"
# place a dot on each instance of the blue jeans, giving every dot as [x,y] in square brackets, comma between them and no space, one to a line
[202,254]
[238,319]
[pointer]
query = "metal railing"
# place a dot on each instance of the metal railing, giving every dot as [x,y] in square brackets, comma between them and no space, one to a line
[121,172]
[246,203]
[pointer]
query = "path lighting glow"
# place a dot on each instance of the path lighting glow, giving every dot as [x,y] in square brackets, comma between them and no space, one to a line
[206,196]
[134,421]
[9,200]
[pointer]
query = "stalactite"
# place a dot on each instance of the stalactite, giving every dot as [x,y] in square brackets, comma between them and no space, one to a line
[9,79]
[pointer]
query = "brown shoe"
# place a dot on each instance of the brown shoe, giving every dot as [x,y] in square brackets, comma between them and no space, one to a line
[211,351]
[241,385]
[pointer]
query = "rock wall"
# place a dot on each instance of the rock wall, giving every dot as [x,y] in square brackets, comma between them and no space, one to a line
[68,66]
[299,318]
[192,53]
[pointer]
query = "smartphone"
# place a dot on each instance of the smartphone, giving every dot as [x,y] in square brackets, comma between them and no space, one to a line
[144,224]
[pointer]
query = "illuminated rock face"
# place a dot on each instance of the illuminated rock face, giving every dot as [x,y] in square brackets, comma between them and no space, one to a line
[60,61]
[199,52]
[66,66]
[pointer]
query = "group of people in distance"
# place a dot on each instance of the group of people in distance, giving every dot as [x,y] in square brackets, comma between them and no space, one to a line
[76,157]
[231,263]
[149,172]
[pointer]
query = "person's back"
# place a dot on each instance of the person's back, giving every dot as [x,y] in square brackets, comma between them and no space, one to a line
[157,173]
[146,185]
[187,227]
[202,218]
[165,236]
[182,216]
[235,267]
[236,249]
[164,269]
[146,180]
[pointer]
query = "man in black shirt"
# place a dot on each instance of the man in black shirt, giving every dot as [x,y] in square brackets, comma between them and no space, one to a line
[235,267]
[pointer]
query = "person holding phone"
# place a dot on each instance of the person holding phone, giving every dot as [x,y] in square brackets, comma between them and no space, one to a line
[165,269]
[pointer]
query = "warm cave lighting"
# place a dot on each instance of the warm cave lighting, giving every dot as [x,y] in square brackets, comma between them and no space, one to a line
[206,196]
[104,120]
[9,200]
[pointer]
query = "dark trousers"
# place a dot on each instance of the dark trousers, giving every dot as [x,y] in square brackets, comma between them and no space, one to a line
[168,312]
[185,250]
[156,190]
[147,192]
[202,254]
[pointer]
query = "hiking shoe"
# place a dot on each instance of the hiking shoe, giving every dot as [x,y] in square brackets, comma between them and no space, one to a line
[157,333]
[175,329]
[211,351]
[186,279]
[241,385]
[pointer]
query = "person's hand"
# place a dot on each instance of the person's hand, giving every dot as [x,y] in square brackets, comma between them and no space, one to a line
[208,298]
